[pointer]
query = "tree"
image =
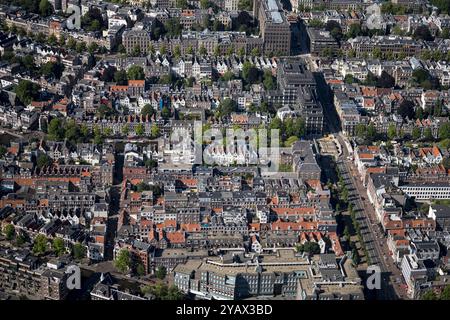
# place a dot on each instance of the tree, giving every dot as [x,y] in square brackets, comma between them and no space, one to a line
[121,77]
[72,131]
[444,131]
[189,82]
[140,130]
[360,130]
[269,81]
[203,51]
[78,251]
[135,72]
[173,293]
[9,231]
[52,69]
[335,29]
[93,47]
[218,25]
[104,111]
[28,62]
[445,294]
[136,51]
[182,4]
[147,110]
[226,107]
[315,23]
[93,20]
[392,131]
[216,51]
[121,49]
[166,113]
[423,33]
[371,79]
[52,40]
[416,133]
[81,47]
[429,295]
[347,234]
[406,109]
[173,27]
[45,8]
[126,129]
[26,91]
[58,246]
[71,43]
[204,4]
[371,133]
[428,134]
[140,269]
[445,34]
[62,40]
[161,272]
[55,129]
[354,30]
[227,76]
[40,244]
[420,75]
[245,5]
[3,151]
[250,73]
[98,136]
[255,52]
[311,248]
[150,163]
[424,79]
[177,51]
[355,256]
[154,131]
[142,186]
[350,79]
[123,261]
[43,160]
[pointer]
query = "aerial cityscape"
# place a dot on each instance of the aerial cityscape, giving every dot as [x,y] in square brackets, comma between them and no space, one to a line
[224,150]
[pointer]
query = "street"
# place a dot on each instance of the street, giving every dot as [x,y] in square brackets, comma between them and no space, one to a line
[372,236]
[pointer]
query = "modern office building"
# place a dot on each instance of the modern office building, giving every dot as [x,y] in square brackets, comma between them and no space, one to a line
[273,26]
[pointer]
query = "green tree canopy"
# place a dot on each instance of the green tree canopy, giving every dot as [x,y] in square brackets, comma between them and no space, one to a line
[154,131]
[9,231]
[43,160]
[121,77]
[444,131]
[58,246]
[123,261]
[139,129]
[26,91]
[147,110]
[135,72]
[269,81]
[392,131]
[78,251]
[45,8]
[161,272]
[40,244]
[226,107]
